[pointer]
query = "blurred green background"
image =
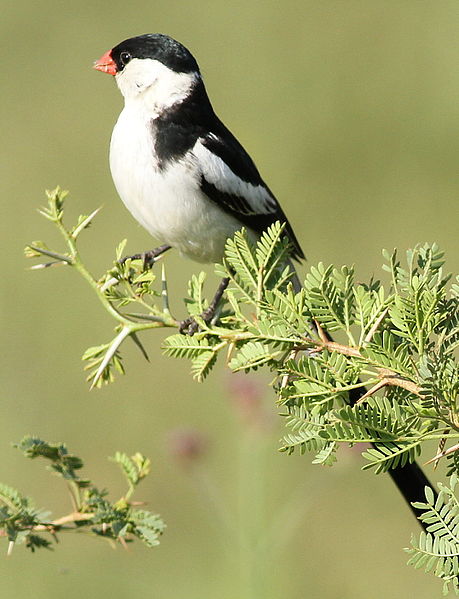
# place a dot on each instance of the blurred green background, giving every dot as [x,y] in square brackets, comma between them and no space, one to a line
[350,109]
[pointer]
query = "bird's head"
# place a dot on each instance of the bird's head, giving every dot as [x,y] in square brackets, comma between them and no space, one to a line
[152,67]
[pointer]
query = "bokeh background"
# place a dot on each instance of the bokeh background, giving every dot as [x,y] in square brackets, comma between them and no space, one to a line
[351,110]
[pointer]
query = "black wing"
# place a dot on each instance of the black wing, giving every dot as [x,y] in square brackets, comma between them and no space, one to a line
[230,178]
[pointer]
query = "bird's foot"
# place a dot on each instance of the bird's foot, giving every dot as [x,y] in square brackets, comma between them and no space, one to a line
[189,326]
[149,258]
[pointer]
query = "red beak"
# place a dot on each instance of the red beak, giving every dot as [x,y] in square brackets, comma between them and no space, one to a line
[106,64]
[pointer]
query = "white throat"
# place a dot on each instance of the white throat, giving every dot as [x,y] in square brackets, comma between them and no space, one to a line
[153,85]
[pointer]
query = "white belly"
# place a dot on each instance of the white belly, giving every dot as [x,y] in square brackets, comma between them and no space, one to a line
[168,203]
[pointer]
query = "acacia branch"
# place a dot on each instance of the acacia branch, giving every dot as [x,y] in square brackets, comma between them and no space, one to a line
[388,377]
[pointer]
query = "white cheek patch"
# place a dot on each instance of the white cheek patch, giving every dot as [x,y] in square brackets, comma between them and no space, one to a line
[218,173]
[157,85]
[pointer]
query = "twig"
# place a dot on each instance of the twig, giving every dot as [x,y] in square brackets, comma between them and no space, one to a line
[442,454]
[388,377]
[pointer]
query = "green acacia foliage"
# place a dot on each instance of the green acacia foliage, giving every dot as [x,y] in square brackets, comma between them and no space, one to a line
[437,549]
[92,512]
[396,342]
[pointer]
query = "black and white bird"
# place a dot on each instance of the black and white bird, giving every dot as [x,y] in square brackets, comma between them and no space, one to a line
[185,177]
[177,168]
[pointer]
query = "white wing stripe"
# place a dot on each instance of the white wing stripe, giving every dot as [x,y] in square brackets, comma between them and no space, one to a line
[218,173]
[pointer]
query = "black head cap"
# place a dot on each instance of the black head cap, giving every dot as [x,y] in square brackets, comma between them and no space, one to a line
[158,47]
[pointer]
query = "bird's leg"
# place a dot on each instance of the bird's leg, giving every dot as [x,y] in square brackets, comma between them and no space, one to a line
[150,257]
[189,326]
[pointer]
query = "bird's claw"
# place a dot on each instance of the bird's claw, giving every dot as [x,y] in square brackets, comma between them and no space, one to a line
[148,258]
[189,326]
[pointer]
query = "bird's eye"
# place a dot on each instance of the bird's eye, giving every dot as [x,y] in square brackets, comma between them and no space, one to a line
[125,57]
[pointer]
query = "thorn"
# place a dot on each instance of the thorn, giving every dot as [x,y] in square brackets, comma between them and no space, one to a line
[164,293]
[109,283]
[443,454]
[55,255]
[137,341]
[286,378]
[441,447]
[123,543]
[111,351]
[48,264]
[10,548]
[229,352]
[322,335]
[374,328]
[372,391]
[85,223]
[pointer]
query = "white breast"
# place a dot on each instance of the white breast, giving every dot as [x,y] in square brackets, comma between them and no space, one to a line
[168,202]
